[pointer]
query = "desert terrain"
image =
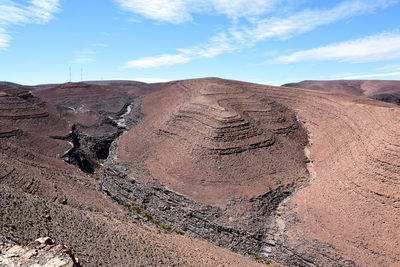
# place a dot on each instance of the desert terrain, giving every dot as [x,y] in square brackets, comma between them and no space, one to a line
[383,90]
[203,172]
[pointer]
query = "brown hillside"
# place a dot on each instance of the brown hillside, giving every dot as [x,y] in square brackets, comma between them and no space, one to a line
[214,140]
[302,177]
[41,195]
[384,90]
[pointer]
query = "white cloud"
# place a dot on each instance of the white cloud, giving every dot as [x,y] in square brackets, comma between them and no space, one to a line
[4,39]
[390,67]
[11,13]
[384,46]
[163,60]
[42,10]
[100,45]
[242,8]
[370,76]
[179,11]
[86,55]
[265,82]
[308,20]
[164,10]
[83,60]
[238,37]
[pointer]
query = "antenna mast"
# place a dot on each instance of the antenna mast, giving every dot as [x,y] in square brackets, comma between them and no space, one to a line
[81,74]
[70,80]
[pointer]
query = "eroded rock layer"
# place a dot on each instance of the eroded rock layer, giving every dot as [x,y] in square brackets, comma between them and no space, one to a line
[211,157]
[302,177]
[214,140]
[351,205]
[41,195]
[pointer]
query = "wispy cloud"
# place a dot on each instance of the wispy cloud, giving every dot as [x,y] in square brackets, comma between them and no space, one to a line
[4,38]
[163,60]
[83,60]
[265,82]
[384,46]
[392,67]
[238,36]
[370,76]
[99,45]
[85,56]
[179,11]
[11,13]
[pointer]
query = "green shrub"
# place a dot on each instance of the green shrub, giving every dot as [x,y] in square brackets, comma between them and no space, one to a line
[136,209]
[155,222]
[178,231]
[147,215]
[166,227]
[260,259]
[123,202]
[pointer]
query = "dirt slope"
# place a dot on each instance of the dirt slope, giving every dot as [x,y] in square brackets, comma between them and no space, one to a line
[352,203]
[384,90]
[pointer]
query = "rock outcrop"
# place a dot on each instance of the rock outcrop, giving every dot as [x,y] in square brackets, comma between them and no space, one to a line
[42,252]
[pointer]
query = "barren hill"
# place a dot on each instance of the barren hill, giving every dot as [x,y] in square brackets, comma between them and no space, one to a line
[300,177]
[41,195]
[384,90]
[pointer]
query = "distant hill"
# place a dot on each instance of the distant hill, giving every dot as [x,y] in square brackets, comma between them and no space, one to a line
[383,90]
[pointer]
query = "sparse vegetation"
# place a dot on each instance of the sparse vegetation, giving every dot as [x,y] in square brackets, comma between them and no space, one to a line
[96,176]
[178,231]
[154,221]
[136,209]
[123,202]
[166,227]
[263,260]
[147,215]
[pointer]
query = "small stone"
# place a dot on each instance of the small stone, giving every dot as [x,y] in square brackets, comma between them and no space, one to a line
[58,248]
[30,254]
[45,240]
[271,242]
[268,249]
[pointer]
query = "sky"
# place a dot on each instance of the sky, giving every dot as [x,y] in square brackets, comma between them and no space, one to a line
[261,41]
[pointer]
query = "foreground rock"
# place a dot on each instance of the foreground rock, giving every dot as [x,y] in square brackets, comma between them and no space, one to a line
[41,252]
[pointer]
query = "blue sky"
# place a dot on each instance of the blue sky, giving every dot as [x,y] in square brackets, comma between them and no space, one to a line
[263,41]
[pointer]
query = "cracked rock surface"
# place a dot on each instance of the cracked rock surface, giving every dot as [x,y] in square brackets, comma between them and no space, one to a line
[40,253]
